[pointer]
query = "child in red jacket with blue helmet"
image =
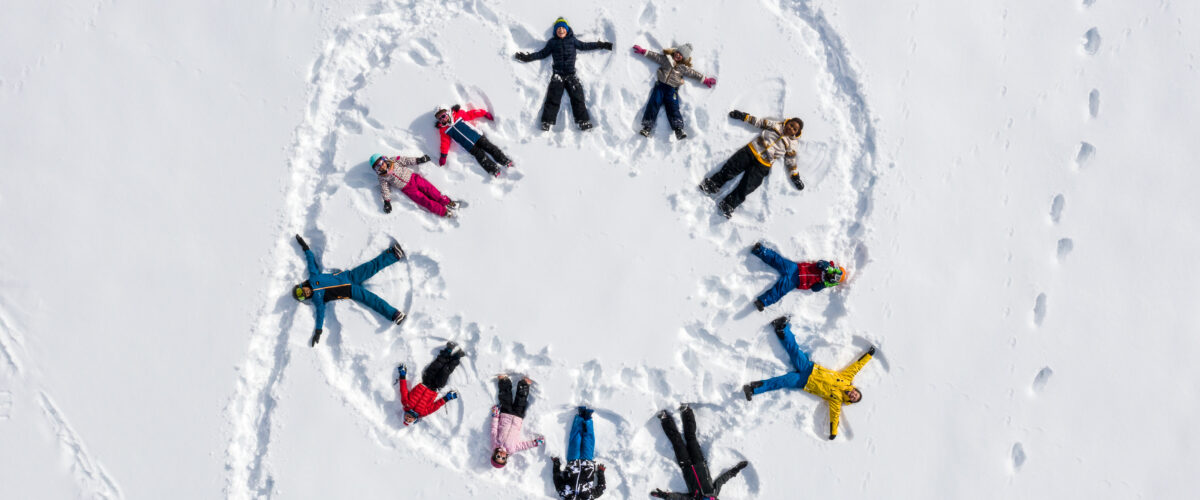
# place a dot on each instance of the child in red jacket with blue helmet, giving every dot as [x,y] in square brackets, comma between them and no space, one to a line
[815,276]
[423,400]
[454,127]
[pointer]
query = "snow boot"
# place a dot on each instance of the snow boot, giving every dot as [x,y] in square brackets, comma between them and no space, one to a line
[757,247]
[397,250]
[663,415]
[779,323]
[452,204]
[399,317]
[758,304]
[748,389]
[585,125]
[646,131]
[726,210]
[546,126]
[585,412]
[680,134]
[709,187]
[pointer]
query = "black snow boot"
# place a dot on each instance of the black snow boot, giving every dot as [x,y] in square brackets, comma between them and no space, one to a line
[585,125]
[727,211]
[646,131]
[398,317]
[749,389]
[397,250]
[546,125]
[680,134]
[708,186]
[779,323]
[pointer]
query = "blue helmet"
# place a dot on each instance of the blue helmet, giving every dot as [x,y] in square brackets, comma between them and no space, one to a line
[374,160]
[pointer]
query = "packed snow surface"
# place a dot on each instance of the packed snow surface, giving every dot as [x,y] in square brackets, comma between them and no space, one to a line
[1009,185]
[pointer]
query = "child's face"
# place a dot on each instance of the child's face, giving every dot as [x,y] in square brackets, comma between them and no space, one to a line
[561,32]
[678,57]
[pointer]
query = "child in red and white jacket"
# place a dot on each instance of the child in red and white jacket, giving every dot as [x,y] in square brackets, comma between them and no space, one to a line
[507,419]
[395,172]
[454,127]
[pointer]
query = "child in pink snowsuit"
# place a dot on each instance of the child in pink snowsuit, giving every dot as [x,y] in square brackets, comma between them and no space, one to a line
[395,172]
[507,419]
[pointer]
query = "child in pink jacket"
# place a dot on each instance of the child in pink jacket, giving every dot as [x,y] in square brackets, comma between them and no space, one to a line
[396,172]
[507,419]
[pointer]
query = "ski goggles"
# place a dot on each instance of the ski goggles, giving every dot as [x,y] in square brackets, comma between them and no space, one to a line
[298,292]
[443,117]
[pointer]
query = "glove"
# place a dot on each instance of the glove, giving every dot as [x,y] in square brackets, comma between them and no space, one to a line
[831,436]
[387,206]
[657,493]
[422,159]
[795,178]
[522,56]
[606,45]
[303,245]
[639,49]
[495,410]
[455,108]
[488,115]
[600,466]
[738,115]
[871,351]
[451,396]
[401,372]
[315,338]
[557,462]
[710,81]
[442,160]
[541,441]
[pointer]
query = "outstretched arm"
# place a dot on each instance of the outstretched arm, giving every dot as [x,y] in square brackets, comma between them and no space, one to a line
[599,490]
[559,481]
[835,413]
[592,45]
[541,54]
[474,114]
[495,423]
[669,495]
[403,391]
[727,475]
[853,369]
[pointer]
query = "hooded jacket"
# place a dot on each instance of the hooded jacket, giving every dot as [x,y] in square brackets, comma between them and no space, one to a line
[772,143]
[670,73]
[832,386]
[579,480]
[563,50]
[506,433]
[325,286]
[460,131]
[421,400]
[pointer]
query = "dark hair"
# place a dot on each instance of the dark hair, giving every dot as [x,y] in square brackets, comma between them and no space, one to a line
[797,120]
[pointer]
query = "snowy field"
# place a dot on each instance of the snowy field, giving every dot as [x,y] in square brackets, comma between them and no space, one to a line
[1011,186]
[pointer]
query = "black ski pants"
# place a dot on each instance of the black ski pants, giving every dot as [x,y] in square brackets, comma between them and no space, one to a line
[483,148]
[438,372]
[688,455]
[554,93]
[753,172]
[513,404]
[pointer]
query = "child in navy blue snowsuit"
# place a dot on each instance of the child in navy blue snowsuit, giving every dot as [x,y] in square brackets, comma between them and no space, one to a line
[562,49]
[323,287]
[815,276]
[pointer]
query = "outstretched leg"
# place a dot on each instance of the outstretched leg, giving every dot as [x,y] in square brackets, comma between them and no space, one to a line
[485,162]
[681,452]
[587,441]
[578,105]
[366,298]
[652,105]
[671,102]
[786,283]
[735,165]
[504,395]
[693,447]
[437,374]
[789,380]
[553,99]
[755,173]
[772,258]
[521,400]
[421,192]
[487,146]
[367,269]
[799,358]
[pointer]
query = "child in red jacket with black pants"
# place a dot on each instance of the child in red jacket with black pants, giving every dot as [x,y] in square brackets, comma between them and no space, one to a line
[423,400]
[453,126]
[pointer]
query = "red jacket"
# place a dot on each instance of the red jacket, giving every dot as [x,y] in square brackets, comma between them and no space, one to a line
[420,399]
[458,129]
[808,274]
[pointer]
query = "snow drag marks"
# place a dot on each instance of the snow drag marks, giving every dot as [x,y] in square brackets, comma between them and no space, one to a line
[329,200]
